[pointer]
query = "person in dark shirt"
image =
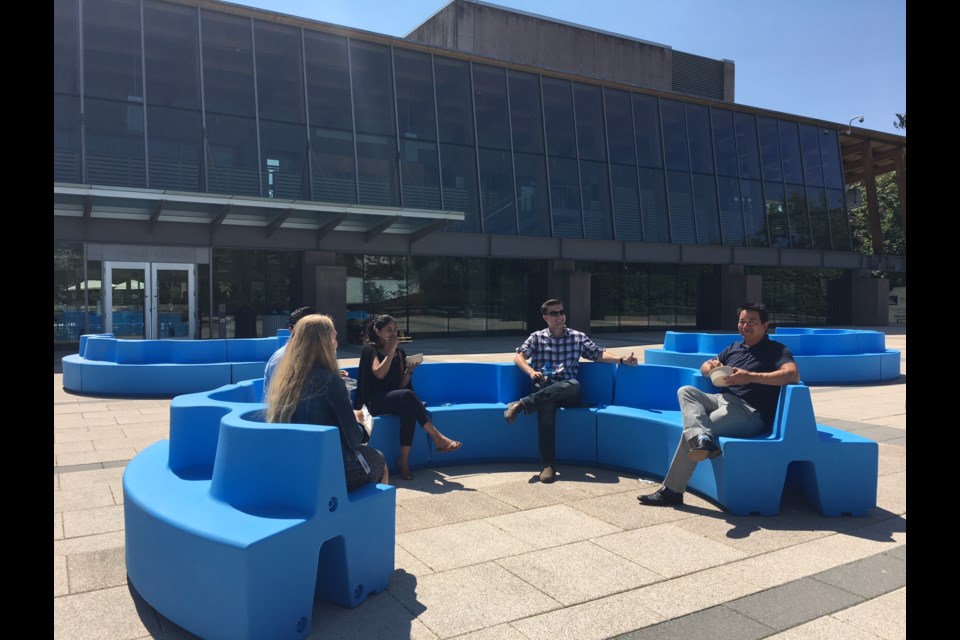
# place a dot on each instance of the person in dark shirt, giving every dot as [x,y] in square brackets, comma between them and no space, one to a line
[745,408]
[384,385]
[307,389]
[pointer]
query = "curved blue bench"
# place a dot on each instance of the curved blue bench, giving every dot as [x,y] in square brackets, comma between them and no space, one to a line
[164,368]
[824,356]
[234,527]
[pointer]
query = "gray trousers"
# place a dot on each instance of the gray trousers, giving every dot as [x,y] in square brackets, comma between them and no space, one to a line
[710,414]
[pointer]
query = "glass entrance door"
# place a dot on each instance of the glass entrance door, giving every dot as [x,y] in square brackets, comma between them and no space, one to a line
[149,300]
[125,299]
[173,291]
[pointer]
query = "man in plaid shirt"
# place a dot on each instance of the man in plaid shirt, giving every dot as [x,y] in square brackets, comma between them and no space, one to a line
[562,348]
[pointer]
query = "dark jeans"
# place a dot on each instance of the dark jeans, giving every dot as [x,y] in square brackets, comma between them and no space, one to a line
[406,405]
[545,401]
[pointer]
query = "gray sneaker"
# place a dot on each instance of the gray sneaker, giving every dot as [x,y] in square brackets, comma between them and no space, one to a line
[548,474]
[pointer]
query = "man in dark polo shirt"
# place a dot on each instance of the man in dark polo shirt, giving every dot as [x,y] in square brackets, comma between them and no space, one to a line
[746,407]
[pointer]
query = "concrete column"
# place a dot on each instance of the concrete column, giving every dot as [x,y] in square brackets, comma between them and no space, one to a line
[736,288]
[330,296]
[573,287]
[870,301]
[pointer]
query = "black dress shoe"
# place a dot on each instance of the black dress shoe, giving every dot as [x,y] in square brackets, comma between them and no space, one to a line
[704,449]
[663,497]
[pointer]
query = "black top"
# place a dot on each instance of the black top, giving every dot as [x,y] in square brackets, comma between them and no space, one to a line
[325,401]
[765,356]
[370,386]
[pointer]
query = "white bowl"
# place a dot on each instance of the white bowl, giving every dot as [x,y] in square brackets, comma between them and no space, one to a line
[718,374]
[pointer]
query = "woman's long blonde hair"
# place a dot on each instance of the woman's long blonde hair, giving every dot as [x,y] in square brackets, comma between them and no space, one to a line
[311,345]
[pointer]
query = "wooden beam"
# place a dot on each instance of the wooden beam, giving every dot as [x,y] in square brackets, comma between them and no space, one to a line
[873,205]
[902,188]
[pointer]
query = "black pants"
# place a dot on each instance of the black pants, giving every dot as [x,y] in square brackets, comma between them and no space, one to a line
[564,393]
[406,405]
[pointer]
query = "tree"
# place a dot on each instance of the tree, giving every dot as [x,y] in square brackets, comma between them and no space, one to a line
[888,202]
[901,121]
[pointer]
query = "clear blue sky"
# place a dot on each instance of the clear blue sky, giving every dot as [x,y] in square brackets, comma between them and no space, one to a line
[828,59]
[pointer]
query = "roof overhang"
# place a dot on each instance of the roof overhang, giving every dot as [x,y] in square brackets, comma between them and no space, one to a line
[158,206]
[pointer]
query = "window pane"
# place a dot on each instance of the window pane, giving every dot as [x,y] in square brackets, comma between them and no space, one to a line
[377,170]
[172,55]
[558,115]
[731,218]
[279,72]
[790,151]
[328,81]
[419,174]
[70,319]
[770,149]
[66,51]
[726,142]
[662,295]
[372,90]
[282,167]
[565,198]
[233,166]
[454,100]
[490,97]
[415,109]
[819,225]
[507,302]
[682,227]
[532,207]
[66,139]
[525,112]
[754,220]
[626,203]
[114,139]
[467,294]
[175,136]
[606,296]
[496,192]
[797,217]
[619,126]
[227,64]
[332,163]
[656,223]
[776,208]
[460,185]
[698,130]
[646,123]
[747,150]
[595,188]
[674,136]
[589,114]
[830,157]
[428,293]
[385,287]
[112,64]
[839,230]
[635,309]
[705,206]
[812,167]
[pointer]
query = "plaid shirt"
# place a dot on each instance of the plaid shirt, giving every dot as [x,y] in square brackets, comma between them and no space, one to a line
[567,350]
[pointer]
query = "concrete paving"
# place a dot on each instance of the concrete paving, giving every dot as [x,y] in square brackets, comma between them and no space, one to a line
[486,552]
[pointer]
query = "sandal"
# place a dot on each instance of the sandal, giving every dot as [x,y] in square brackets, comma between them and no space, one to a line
[453,446]
[404,475]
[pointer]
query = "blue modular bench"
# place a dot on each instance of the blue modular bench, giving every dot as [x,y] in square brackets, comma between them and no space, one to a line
[824,356]
[234,527]
[631,421]
[164,368]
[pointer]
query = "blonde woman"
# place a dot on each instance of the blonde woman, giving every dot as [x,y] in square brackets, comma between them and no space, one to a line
[307,389]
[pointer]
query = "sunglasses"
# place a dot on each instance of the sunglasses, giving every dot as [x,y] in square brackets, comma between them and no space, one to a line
[554,314]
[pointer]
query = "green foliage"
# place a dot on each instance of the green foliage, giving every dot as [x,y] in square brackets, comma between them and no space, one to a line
[888,200]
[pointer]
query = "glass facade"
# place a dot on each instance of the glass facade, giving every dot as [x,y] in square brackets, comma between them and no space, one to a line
[159,95]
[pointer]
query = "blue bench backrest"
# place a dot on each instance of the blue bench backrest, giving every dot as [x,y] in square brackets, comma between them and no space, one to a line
[650,386]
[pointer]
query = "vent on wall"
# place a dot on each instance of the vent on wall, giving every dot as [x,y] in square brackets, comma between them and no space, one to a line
[697,75]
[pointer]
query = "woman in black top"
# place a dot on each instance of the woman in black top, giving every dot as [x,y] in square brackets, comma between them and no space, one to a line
[307,389]
[383,384]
